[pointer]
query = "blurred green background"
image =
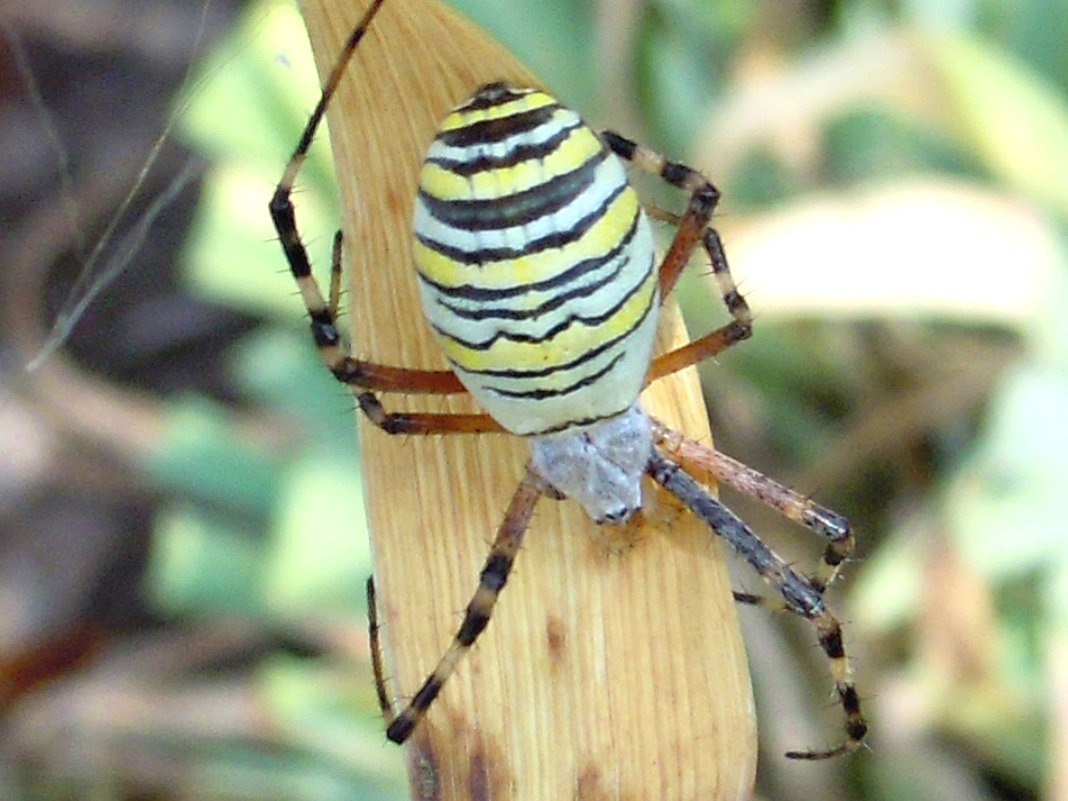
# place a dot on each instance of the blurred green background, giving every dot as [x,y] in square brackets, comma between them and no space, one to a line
[895,181]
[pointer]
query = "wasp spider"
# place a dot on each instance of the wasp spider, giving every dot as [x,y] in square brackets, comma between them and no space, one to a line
[537,272]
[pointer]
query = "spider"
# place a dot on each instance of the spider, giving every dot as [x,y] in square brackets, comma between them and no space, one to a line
[537,273]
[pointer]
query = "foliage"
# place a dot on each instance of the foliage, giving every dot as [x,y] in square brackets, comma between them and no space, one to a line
[894,203]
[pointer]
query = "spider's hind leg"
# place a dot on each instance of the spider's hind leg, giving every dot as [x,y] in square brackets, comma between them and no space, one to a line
[364,378]
[693,228]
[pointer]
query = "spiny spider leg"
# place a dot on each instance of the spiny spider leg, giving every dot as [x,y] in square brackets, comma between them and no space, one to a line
[323,311]
[334,302]
[424,422]
[693,227]
[377,666]
[494,574]
[792,505]
[797,592]
[368,375]
[421,422]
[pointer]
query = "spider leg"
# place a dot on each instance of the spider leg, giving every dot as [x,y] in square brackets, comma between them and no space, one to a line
[491,581]
[323,314]
[797,592]
[792,505]
[398,379]
[323,311]
[424,422]
[693,228]
[376,652]
[336,253]
[353,372]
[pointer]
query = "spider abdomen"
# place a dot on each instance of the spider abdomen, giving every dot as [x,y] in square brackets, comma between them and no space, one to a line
[536,262]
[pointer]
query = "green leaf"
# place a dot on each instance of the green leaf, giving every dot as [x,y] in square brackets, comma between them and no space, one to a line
[1012,117]
[198,566]
[1007,506]
[201,457]
[248,109]
[319,557]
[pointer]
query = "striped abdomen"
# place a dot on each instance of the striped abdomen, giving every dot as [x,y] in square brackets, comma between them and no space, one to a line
[536,262]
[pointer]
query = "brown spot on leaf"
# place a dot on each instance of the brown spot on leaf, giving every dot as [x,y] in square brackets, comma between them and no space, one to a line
[426,785]
[488,777]
[589,787]
[556,636]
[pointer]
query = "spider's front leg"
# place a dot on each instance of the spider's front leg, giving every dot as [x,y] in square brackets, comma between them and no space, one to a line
[790,504]
[798,594]
[494,575]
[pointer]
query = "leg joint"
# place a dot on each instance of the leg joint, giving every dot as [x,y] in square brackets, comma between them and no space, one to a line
[621,146]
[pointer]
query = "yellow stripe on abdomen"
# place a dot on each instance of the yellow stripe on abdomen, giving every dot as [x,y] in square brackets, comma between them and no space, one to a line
[536,262]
